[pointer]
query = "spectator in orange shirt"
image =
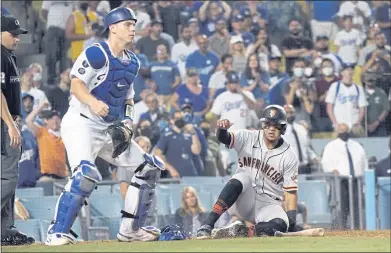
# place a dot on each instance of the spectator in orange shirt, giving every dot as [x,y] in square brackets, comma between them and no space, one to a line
[52,155]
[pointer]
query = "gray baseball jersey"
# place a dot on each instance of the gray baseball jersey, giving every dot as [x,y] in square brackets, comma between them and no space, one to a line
[272,171]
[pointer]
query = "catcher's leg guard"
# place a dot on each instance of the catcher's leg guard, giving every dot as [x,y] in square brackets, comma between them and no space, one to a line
[71,201]
[138,201]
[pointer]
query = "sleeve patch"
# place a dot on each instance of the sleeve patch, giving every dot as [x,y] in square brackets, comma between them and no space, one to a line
[95,57]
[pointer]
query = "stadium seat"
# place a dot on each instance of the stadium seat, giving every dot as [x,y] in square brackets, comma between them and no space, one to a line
[103,189]
[48,187]
[106,205]
[314,194]
[29,192]
[30,228]
[41,207]
[202,180]
[162,203]
[44,225]
[112,223]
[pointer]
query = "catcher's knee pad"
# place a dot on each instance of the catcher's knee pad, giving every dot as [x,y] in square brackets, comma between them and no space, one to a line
[270,227]
[72,198]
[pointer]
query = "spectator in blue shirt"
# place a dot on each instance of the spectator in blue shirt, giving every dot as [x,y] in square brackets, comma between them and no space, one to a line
[140,82]
[204,60]
[192,92]
[29,169]
[154,112]
[27,104]
[210,12]
[165,74]
[177,146]
[323,14]
[254,79]
[383,19]
[188,116]
[248,20]
[238,29]
[278,80]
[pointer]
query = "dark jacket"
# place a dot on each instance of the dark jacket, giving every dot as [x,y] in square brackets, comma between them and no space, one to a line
[186,221]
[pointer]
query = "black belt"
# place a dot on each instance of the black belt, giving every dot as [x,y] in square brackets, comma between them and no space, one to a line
[53,176]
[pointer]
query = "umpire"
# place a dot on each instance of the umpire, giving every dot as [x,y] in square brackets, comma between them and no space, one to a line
[10,134]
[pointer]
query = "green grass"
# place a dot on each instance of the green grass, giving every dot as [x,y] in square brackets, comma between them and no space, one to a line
[296,244]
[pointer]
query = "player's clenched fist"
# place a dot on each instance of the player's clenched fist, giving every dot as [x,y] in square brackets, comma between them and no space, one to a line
[99,108]
[224,124]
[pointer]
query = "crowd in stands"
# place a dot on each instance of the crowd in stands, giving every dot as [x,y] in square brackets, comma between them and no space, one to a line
[327,62]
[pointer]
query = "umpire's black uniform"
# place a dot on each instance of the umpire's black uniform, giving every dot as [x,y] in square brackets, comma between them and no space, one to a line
[10,88]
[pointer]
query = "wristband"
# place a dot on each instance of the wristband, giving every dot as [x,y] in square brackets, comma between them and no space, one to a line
[129,112]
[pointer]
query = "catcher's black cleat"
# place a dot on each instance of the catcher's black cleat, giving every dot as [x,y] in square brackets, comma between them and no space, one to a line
[17,238]
[235,229]
[204,232]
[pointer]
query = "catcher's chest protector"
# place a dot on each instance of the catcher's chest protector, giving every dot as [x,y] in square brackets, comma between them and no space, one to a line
[117,82]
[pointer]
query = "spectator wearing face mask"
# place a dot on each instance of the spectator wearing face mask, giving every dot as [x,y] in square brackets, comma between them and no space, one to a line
[295,45]
[348,42]
[346,157]
[327,77]
[298,137]
[164,74]
[300,93]
[36,71]
[176,148]
[27,87]
[213,165]
[151,130]
[378,107]
[322,52]
[58,96]
[346,102]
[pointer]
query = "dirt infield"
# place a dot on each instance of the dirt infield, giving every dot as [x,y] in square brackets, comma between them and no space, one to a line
[359,233]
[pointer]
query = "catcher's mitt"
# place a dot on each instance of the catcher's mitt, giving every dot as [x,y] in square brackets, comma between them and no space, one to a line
[121,136]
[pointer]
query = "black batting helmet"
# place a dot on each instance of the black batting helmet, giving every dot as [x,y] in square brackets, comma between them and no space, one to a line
[276,114]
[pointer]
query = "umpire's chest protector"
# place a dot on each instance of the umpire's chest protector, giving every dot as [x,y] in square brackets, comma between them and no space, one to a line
[117,82]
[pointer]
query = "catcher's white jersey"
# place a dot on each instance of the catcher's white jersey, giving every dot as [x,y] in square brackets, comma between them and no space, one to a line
[272,171]
[92,78]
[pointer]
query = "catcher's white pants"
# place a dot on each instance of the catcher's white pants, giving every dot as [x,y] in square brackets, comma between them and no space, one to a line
[254,207]
[85,139]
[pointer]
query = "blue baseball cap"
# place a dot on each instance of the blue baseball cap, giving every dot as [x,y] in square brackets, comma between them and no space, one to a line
[27,95]
[237,18]
[232,77]
[347,65]
[245,12]
[263,12]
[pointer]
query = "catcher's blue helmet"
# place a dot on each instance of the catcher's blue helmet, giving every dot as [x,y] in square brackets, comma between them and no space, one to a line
[172,233]
[117,15]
